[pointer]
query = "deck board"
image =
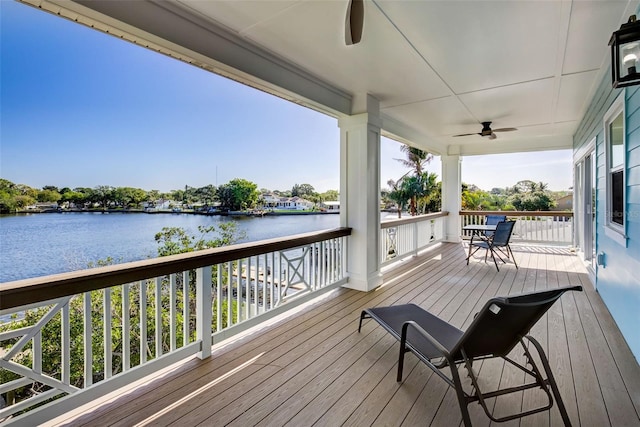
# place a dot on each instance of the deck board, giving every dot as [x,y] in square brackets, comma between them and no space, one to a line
[314,368]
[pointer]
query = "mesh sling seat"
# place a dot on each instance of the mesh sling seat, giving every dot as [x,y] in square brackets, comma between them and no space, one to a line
[493,220]
[502,324]
[498,242]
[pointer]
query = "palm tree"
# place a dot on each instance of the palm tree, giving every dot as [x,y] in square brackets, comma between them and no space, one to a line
[412,187]
[430,192]
[397,194]
[416,159]
[542,187]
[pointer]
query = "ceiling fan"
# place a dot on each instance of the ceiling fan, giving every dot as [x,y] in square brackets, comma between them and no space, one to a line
[354,22]
[487,131]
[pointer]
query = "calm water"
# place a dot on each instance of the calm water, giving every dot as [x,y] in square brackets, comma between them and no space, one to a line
[40,244]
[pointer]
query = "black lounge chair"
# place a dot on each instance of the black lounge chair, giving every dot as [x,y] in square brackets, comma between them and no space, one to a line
[502,323]
[498,242]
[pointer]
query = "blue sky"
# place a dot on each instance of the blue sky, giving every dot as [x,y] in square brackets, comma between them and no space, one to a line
[81,108]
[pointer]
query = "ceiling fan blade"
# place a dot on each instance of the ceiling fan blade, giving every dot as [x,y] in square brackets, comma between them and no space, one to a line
[354,22]
[467,134]
[505,129]
[492,136]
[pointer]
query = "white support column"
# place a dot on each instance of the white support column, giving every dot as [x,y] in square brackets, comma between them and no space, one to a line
[204,310]
[360,191]
[451,196]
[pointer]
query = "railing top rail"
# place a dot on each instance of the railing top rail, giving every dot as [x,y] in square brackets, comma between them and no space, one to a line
[418,218]
[519,213]
[38,289]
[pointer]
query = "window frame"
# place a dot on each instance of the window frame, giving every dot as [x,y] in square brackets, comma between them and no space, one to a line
[613,230]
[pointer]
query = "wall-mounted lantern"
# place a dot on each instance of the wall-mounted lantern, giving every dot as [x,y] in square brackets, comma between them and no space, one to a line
[625,54]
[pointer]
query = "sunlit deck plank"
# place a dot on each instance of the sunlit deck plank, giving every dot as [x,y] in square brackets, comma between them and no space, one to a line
[315,368]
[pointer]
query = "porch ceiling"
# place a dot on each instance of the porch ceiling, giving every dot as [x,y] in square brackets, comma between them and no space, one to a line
[438,68]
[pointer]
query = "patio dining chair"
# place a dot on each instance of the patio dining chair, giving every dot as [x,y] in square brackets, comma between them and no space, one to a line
[499,242]
[501,324]
[493,220]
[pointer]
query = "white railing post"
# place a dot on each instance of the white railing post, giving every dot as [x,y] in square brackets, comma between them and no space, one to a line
[204,311]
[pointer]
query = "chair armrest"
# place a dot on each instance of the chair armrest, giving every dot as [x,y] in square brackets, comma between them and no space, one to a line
[425,334]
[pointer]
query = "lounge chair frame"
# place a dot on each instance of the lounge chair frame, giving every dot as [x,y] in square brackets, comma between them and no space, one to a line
[438,344]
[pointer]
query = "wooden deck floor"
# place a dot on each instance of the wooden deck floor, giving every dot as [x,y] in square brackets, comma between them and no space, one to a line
[316,369]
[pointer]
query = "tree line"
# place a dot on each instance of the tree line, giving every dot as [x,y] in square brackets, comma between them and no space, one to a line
[420,192]
[237,194]
[525,195]
[417,191]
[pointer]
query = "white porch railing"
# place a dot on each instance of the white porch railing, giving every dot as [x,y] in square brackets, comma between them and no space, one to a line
[404,237]
[546,227]
[109,326]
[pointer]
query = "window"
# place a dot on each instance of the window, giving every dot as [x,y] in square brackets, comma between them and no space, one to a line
[615,162]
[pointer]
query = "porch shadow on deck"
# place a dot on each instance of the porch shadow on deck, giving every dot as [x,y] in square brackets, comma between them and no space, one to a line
[314,368]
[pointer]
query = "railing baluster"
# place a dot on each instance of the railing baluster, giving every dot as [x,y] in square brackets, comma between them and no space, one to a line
[36,341]
[158,316]
[329,261]
[314,266]
[143,321]
[88,339]
[280,279]
[185,308]
[219,285]
[229,294]
[256,295]
[126,328]
[248,289]
[65,326]
[173,314]
[238,292]
[265,271]
[106,318]
[323,262]
[272,276]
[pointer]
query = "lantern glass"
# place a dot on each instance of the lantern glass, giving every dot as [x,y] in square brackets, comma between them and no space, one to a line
[629,57]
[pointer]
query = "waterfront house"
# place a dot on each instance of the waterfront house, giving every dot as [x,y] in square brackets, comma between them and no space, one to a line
[331,206]
[428,74]
[269,200]
[294,203]
[42,206]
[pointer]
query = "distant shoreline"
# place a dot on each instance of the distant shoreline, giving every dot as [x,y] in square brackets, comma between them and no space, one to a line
[169,211]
